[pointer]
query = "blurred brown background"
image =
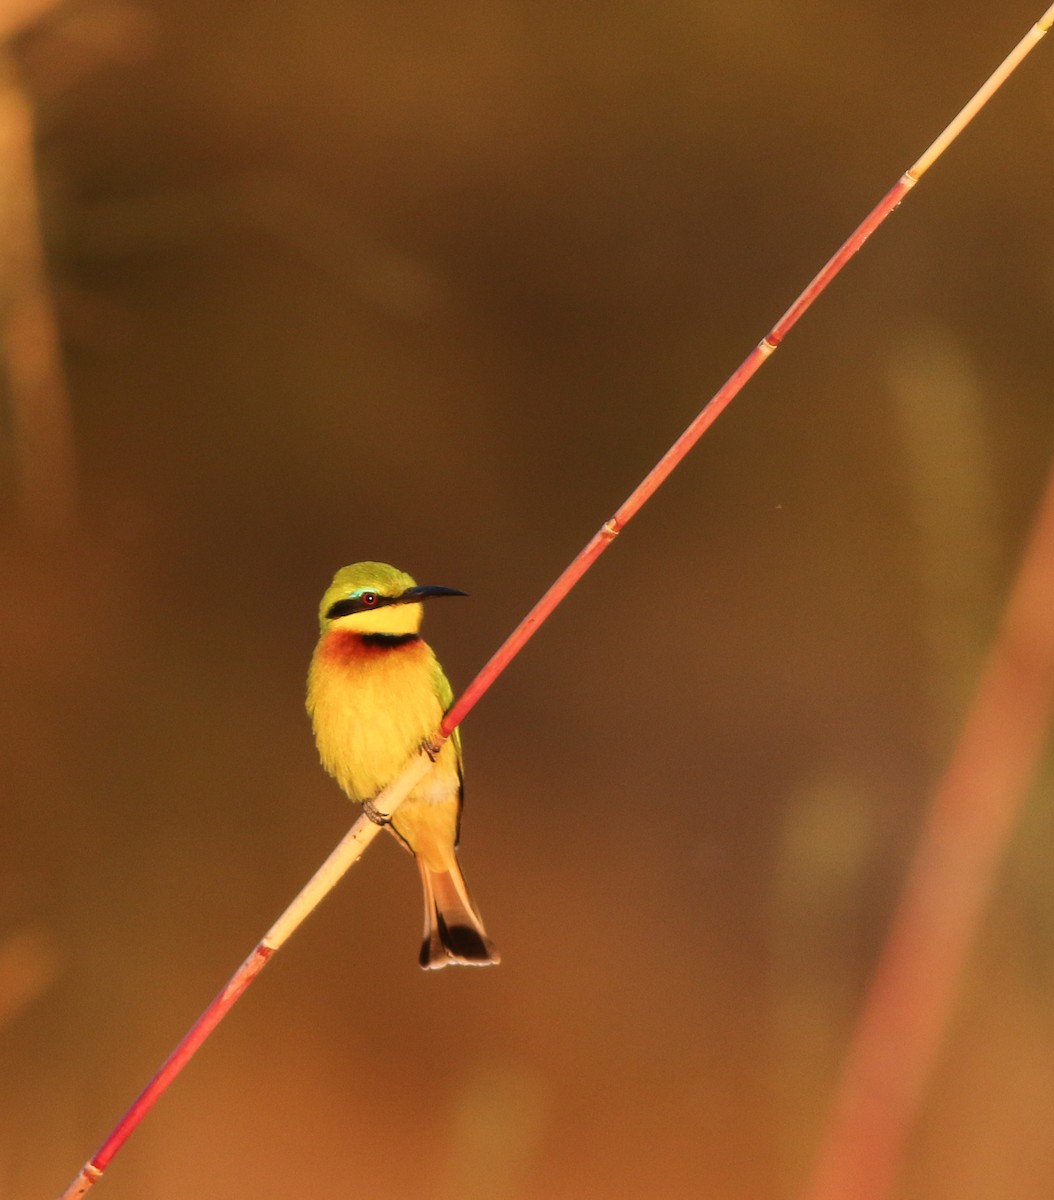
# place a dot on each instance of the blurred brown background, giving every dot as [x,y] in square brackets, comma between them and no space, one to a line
[436,283]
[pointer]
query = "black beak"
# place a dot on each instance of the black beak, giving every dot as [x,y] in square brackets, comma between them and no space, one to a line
[415,594]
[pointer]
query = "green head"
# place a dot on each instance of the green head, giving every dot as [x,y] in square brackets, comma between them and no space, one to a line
[372,597]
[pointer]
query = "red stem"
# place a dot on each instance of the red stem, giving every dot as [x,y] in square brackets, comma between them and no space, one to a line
[170,1068]
[183,1053]
[721,399]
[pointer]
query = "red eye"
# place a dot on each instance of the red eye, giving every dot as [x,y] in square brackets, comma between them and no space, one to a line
[369,599]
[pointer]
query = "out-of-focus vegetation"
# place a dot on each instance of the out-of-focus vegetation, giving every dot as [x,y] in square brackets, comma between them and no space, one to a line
[435,284]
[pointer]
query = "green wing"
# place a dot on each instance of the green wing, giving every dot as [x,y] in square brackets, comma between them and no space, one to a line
[446,697]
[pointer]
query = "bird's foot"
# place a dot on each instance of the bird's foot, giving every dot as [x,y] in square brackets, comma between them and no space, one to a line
[431,749]
[377,817]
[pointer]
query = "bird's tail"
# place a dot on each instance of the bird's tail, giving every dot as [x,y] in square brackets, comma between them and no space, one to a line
[454,931]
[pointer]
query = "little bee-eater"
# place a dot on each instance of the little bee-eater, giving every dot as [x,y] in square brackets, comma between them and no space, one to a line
[376,694]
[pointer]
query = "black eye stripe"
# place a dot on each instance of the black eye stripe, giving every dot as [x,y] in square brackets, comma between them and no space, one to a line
[360,603]
[342,608]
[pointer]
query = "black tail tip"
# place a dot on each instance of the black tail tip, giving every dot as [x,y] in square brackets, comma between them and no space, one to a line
[457,944]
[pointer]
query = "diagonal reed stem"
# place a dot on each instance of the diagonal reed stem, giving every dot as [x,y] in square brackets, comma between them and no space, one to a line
[347,852]
[736,381]
[363,831]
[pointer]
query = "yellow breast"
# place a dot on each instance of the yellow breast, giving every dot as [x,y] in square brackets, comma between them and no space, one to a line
[371,708]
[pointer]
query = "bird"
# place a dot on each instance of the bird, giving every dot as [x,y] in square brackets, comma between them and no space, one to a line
[376,695]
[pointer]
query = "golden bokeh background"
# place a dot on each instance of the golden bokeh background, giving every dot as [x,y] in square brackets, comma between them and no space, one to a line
[436,284]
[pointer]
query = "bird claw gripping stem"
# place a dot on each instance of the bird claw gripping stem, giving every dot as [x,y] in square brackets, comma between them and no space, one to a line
[374,814]
[431,749]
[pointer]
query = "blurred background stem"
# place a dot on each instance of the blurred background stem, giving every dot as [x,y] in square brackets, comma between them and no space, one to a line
[974,811]
[41,433]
